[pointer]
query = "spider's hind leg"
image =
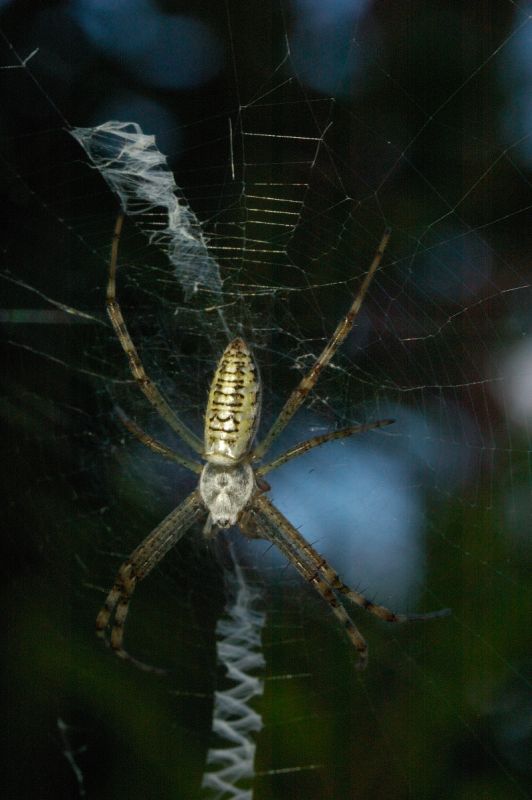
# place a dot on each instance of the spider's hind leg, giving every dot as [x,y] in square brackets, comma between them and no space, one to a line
[114,613]
[264,521]
[336,583]
[325,580]
[147,555]
[316,580]
[377,610]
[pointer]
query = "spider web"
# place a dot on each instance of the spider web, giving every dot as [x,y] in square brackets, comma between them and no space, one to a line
[293,145]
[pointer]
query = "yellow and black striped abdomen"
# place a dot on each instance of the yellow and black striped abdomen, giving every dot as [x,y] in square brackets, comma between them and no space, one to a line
[233,406]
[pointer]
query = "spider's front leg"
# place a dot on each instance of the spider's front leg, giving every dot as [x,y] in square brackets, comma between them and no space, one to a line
[144,382]
[309,380]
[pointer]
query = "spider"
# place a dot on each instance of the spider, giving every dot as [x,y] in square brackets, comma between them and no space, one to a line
[232,489]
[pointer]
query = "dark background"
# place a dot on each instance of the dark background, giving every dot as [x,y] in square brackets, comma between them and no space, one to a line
[429,135]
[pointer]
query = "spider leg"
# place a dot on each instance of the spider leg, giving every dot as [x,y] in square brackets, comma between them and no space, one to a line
[144,382]
[154,444]
[316,441]
[263,520]
[141,561]
[335,581]
[309,380]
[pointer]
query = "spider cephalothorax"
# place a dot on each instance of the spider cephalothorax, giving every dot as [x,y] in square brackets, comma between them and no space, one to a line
[226,491]
[231,491]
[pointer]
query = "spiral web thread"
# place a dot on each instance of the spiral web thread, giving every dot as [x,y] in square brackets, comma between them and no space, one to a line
[234,721]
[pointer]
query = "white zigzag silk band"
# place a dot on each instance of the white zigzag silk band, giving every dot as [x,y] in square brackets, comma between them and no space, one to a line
[138,172]
[239,650]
